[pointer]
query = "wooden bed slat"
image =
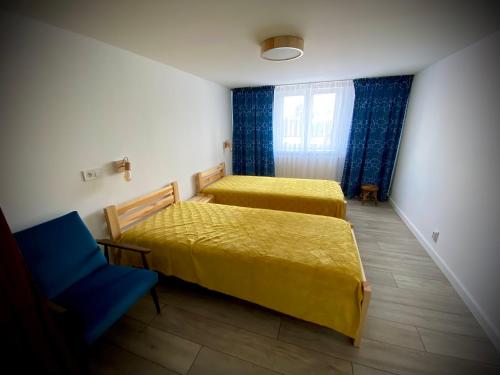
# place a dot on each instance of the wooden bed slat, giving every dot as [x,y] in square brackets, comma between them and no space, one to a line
[214,170]
[203,179]
[139,214]
[148,198]
[128,213]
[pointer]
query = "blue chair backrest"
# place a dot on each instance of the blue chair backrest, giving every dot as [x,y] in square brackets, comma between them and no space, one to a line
[59,252]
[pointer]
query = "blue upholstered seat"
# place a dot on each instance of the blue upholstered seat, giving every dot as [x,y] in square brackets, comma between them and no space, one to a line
[70,269]
[103,296]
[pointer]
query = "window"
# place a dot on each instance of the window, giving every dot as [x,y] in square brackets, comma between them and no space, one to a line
[320,129]
[311,124]
[293,110]
[307,122]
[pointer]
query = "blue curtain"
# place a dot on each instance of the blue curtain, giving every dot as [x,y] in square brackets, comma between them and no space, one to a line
[253,131]
[377,121]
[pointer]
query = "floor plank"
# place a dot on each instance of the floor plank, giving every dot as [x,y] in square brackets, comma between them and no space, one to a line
[222,308]
[260,350]
[386,357]
[459,346]
[392,333]
[394,228]
[379,277]
[144,310]
[437,287]
[424,318]
[163,348]
[216,363]
[412,248]
[418,298]
[375,234]
[367,245]
[387,264]
[400,257]
[108,359]
[363,370]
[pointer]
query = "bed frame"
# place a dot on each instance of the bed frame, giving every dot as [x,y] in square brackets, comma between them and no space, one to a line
[121,217]
[203,179]
[367,295]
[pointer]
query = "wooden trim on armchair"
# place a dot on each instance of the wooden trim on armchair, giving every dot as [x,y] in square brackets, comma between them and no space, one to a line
[124,246]
[128,247]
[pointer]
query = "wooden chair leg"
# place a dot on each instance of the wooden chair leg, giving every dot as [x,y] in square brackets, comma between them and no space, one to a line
[155,300]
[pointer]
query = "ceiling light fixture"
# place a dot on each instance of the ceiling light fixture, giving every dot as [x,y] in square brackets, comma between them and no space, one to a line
[282,48]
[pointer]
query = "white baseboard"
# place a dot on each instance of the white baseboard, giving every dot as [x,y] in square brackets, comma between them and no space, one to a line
[471,303]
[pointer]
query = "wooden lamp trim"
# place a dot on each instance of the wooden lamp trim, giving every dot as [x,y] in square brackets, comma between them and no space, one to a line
[283,41]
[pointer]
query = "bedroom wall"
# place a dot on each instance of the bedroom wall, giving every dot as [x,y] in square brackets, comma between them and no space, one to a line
[448,173]
[70,103]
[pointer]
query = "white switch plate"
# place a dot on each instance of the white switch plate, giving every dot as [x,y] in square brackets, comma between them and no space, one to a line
[91,174]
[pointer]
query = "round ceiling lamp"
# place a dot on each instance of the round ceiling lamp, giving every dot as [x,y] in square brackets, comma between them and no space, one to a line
[282,48]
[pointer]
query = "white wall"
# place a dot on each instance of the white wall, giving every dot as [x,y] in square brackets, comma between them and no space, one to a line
[69,103]
[448,172]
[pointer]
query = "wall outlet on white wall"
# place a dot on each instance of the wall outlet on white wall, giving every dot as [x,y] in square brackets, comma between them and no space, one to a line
[435,236]
[91,174]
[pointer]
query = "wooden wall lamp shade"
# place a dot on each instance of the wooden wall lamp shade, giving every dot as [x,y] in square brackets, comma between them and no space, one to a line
[123,166]
[227,145]
[282,48]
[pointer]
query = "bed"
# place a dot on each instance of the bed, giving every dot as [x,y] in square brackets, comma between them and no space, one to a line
[306,266]
[319,197]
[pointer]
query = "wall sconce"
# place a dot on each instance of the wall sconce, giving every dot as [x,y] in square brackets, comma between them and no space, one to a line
[124,166]
[228,145]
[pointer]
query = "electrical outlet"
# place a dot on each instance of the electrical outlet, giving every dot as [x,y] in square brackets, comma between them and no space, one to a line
[91,174]
[435,236]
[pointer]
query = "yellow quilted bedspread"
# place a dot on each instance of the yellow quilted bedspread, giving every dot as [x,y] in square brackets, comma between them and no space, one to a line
[306,266]
[319,197]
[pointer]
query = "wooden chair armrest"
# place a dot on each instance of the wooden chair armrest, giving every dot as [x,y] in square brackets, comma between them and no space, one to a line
[137,249]
[124,246]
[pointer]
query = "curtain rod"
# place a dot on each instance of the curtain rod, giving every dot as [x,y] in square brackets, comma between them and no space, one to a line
[294,84]
[352,79]
[308,83]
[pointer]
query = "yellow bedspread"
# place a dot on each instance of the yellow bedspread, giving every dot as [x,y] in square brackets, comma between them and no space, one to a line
[319,197]
[306,266]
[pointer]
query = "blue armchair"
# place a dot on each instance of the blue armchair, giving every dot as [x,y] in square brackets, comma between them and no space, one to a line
[71,270]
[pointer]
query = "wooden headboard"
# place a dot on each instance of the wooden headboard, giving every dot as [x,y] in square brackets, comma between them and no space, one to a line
[203,179]
[128,213]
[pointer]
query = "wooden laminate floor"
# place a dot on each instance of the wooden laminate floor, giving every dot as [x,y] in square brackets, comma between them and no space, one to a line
[416,324]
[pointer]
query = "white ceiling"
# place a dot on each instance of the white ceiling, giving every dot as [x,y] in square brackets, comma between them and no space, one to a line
[219,39]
